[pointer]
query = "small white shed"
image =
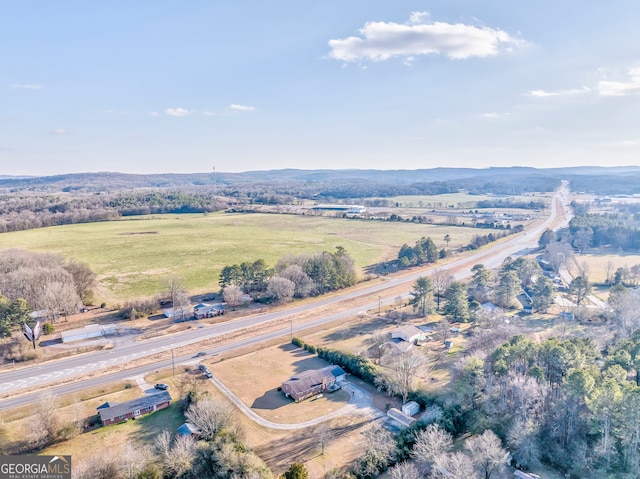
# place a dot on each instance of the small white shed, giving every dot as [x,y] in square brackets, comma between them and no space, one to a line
[411,408]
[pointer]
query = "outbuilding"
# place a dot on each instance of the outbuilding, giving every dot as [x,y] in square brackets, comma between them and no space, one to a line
[88,332]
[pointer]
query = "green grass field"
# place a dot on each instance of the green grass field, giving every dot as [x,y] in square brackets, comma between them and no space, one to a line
[459,200]
[133,255]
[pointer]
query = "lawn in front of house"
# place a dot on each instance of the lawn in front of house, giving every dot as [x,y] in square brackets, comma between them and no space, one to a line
[256,377]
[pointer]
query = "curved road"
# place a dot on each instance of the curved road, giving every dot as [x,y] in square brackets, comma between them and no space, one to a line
[12,382]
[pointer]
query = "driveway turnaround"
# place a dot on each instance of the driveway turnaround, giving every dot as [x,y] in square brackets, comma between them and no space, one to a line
[360,404]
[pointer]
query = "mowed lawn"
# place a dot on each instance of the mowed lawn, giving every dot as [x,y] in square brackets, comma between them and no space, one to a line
[132,256]
[256,377]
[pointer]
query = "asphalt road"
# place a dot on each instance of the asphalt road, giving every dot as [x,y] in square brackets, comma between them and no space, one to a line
[77,366]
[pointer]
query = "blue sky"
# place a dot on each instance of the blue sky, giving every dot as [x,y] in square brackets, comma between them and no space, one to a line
[183,86]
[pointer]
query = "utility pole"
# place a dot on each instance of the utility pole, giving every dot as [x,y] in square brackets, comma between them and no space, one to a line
[291,330]
[379,305]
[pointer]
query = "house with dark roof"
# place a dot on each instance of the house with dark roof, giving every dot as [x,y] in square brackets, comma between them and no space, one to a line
[312,382]
[111,413]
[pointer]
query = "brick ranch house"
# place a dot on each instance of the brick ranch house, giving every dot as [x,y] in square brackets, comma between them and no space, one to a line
[312,382]
[112,413]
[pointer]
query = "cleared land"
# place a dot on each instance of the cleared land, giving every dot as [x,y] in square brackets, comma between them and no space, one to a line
[460,200]
[598,264]
[133,255]
[256,377]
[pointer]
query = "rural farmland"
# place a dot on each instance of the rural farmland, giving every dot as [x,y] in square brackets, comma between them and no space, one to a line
[133,255]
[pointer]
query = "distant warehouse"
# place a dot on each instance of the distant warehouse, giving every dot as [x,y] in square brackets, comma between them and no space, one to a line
[88,332]
[349,209]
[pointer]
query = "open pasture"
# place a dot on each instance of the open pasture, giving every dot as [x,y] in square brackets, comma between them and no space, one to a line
[132,256]
[459,200]
[597,264]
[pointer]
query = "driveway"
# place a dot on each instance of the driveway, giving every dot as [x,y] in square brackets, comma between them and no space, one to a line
[359,404]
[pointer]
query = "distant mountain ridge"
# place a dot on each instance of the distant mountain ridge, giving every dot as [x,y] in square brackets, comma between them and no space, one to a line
[113,181]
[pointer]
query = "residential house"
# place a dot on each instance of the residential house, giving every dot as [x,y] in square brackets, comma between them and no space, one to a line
[312,382]
[408,333]
[111,413]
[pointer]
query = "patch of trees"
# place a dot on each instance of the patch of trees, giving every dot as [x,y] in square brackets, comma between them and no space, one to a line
[294,276]
[424,251]
[596,230]
[22,212]
[46,282]
[555,401]
[511,203]
[359,366]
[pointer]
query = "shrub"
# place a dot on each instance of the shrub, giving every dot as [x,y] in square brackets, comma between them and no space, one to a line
[47,328]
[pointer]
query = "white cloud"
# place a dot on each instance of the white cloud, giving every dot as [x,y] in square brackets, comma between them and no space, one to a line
[26,86]
[615,88]
[572,91]
[154,113]
[418,17]
[236,107]
[379,41]
[494,115]
[209,113]
[60,132]
[177,111]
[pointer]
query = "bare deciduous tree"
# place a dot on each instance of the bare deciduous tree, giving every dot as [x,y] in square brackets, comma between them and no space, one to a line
[83,278]
[209,416]
[177,455]
[487,452]
[281,289]
[232,295]
[431,443]
[377,348]
[303,283]
[398,377]
[44,424]
[557,255]
[404,470]
[325,436]
[60,299]
[441,280]
[609,270]
[132,459]
[378,448]
[456,465]
[174,285]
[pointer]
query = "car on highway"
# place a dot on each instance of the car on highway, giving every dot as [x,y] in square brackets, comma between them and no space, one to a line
[161,386]
[200,354]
